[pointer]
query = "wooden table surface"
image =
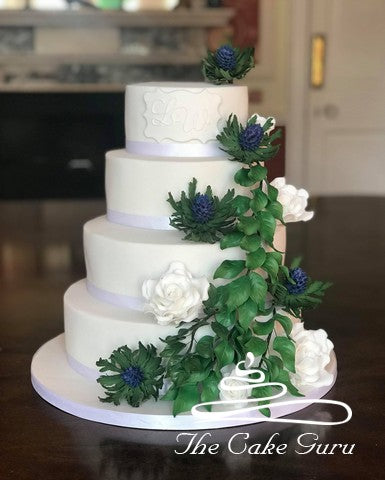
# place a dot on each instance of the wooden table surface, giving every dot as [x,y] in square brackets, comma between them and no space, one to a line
[41,254]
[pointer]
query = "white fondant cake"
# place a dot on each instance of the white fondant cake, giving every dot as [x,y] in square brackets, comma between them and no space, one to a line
[151,311]
[106,311]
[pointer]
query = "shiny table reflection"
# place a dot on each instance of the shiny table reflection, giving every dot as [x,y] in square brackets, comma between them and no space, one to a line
[41,255]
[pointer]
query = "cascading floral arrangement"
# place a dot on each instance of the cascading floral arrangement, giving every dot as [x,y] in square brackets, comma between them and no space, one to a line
[254,307]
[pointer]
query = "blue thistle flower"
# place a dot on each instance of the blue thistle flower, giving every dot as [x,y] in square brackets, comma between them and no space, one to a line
[202,208]
[300,278]
[225,58]
[133,376]
[251,137]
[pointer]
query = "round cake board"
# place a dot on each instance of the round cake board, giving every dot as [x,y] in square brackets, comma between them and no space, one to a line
[57,383]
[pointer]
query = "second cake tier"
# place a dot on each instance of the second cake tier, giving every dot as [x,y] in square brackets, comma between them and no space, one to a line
[137,186]
[119,259]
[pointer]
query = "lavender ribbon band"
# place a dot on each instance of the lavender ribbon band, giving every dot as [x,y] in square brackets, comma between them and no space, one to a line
[139,221]
[83,370]
[122,301]
[174,149]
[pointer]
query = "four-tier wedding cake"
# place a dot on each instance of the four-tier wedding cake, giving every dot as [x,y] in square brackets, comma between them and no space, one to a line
[181,287]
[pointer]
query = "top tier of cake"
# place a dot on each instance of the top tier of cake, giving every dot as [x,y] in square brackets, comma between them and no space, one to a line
[180,119]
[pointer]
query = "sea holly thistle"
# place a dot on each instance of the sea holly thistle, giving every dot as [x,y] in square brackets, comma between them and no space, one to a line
[202,217]
[250,143]
[227,63]
[295,291]
[136,375]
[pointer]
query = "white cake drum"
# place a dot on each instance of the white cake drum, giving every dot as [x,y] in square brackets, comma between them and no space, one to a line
[180,119]
[56,382]
[119,259]
[137,186]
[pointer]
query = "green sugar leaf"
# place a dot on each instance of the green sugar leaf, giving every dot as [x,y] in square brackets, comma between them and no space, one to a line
[204,347]
[210,390]
[257,173]
[276,209]
[239,292]
[232,239]
[277,256]
[224,353]
[271,266]
[274,364]
[256,346]
[248,225]
[263,328]
[286,349]
[268,124]
[285,322]
[241,204]
[255,259]
[171,394]
[187,397]
[229,269]
[258,288]
[250,243]
[220,330]
[242,178]
[315,287]
[296,262]
[247,312]
[283,377]
[262,391]
[196,377]
[225,317]
[267,225]
[259,201]
[265,411]
[272,193]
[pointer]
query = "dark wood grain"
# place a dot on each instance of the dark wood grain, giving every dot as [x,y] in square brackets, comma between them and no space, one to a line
[41,254]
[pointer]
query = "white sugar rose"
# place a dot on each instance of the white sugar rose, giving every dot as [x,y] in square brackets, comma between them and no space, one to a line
[176,297]
[293,200]
[312,355]
[233,389]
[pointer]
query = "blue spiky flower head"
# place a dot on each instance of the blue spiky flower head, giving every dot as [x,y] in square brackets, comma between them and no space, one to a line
[202,208]
[133,376]
[300,278]
[251,137]
[226,58]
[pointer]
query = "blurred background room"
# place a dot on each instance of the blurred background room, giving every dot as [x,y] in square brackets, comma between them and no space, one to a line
[320,70]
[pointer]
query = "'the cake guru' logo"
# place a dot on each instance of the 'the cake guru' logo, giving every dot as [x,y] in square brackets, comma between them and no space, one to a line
[246,379]
[243,409]
[240,444]
[178,116]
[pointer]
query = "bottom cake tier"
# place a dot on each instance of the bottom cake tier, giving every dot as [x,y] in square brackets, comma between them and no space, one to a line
[93,329]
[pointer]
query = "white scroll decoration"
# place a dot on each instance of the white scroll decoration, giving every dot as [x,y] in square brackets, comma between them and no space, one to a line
[242,375]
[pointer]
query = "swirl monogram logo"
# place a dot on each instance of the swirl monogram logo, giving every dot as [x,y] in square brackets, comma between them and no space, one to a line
[181,116]
[169,113]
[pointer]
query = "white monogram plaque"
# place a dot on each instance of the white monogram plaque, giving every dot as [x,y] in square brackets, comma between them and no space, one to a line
[182,115]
